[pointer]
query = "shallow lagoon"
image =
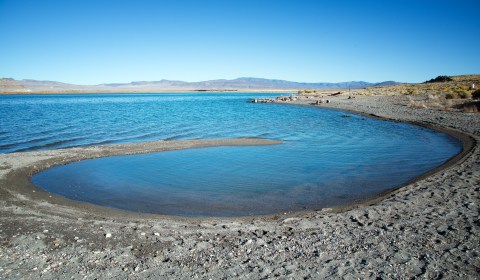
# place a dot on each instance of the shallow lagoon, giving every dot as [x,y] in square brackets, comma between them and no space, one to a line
[328,158]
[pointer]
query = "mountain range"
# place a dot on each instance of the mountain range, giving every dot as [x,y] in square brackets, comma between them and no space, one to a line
[9,85]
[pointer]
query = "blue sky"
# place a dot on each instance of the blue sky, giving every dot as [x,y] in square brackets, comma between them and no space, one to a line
[92,42]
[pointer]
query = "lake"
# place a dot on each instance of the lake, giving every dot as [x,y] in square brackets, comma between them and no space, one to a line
[328,157]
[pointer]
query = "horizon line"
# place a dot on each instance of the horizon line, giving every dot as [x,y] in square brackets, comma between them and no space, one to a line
[200,81]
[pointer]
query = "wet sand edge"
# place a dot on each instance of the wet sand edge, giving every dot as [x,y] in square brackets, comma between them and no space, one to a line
[16,184]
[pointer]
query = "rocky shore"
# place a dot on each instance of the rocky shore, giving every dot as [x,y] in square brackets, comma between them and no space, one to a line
[426,229]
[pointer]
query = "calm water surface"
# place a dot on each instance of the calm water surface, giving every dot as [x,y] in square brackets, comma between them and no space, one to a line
[326,159]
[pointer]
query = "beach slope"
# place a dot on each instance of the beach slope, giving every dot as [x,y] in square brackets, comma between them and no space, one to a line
[428,228]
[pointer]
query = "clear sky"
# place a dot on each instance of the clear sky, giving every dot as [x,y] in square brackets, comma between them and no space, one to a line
[95,41]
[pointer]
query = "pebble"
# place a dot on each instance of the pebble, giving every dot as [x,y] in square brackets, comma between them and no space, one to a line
[330,245]
[290,220]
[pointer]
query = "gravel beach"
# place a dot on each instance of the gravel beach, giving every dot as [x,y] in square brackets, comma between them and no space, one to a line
[426,229]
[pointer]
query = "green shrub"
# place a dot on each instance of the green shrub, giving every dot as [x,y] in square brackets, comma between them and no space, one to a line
[465,95]
[451,95]
[457,94]
[410,91]
[476,94]
[464,87]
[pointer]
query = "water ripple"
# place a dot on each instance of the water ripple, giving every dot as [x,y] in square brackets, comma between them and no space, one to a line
[325,159]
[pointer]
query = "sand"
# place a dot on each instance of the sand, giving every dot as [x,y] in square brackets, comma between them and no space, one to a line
[428,228]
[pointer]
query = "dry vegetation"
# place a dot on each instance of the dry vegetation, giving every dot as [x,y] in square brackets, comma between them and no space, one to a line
[459,88]
[443,93]
[460,93]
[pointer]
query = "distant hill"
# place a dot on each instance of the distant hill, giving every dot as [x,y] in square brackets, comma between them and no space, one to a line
[8,85]
[11,85]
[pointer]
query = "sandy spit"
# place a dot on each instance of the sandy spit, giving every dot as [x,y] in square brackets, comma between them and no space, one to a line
[426,229]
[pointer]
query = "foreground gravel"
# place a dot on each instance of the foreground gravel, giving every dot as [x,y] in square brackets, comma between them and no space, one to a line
[427,229]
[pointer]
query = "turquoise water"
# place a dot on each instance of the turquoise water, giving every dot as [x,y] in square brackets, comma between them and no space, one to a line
[326,159]
[35,122]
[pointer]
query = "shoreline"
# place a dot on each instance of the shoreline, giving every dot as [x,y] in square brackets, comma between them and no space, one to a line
[468,143]
[425,228]
[179,91]
[20,177]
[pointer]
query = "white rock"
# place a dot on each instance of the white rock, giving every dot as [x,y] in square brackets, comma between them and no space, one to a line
[291,220]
